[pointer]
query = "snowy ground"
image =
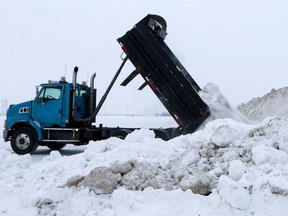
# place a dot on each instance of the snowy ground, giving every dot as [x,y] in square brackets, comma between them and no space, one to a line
[228,167]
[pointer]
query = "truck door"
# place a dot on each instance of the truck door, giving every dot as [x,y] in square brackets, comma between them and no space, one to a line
[48,106]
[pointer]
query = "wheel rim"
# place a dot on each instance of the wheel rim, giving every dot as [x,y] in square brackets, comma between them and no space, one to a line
[22,141]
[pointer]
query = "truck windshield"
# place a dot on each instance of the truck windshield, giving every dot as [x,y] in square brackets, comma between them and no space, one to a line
[50,92]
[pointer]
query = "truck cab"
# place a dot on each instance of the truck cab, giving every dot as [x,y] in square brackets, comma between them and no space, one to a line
[53,105]
[54,118]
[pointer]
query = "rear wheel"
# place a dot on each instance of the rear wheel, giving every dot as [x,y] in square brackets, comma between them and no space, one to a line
[120,133]
[23,141]
[162,134]
[55,146]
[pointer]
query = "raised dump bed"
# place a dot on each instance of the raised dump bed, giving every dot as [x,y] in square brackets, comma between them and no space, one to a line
[145,47]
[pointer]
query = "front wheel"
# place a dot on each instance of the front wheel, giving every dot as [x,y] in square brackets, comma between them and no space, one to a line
[23,141]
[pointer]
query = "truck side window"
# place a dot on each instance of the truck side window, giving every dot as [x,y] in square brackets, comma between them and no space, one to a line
[50,93]
[83,93]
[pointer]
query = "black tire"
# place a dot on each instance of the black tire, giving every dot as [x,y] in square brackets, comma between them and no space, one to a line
[23,141]
[55,146]
[120,133]
[162,134]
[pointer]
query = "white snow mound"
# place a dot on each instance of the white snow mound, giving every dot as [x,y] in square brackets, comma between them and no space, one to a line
[272,104]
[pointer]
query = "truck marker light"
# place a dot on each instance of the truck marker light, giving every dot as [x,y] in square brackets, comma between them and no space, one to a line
[4,124]
[63,79]
[177,119]
[179,122]
[201,113]
[153,86]
[24,110]
[124,48]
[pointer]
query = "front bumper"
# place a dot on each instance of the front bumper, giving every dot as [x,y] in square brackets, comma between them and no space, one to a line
[5,134]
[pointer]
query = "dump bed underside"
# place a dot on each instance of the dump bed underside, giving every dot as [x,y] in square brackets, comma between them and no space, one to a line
[145,47]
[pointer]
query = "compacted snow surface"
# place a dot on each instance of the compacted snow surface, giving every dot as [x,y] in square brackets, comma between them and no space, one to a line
[228,167]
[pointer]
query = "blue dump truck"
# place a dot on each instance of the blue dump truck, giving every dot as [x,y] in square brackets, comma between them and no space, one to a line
[64,113]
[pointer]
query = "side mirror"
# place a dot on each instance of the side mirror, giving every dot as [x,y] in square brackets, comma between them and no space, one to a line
[39,100]
[37,91]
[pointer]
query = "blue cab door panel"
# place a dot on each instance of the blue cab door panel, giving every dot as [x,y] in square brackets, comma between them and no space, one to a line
[48,106]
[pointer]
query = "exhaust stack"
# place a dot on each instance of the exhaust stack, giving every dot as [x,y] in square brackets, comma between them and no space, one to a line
[92,94]
[74,82]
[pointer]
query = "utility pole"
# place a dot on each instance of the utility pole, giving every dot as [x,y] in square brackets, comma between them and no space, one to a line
[4,107]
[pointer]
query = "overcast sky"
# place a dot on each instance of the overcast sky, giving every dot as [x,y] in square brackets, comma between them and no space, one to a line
[241,46]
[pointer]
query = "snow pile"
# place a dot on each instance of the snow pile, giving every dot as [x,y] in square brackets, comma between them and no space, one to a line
[244,172]
[272,104]
[218,104]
